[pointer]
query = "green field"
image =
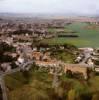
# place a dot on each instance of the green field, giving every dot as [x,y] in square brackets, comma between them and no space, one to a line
[87,37]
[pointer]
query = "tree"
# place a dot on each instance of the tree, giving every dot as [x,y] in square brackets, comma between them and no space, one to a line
[71,94]
[27,76]
[95,97]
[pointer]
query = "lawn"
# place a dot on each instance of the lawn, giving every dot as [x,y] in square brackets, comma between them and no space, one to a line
[87,37]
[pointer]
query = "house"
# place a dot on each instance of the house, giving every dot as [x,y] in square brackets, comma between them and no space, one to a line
[37,55]
[90,62]
[5,67]
[46,64]
[35,49]
[20,60]
[13,55]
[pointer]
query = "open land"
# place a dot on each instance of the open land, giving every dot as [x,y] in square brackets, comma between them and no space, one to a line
[87,37]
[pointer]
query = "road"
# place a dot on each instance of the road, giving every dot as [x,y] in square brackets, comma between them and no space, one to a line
[3,87]
[2,74]
[9,72]
[2,83]
[87,55]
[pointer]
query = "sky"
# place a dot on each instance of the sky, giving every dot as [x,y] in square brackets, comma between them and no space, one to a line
[81,7]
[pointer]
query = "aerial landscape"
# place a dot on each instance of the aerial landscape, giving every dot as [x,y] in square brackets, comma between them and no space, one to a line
[49,50]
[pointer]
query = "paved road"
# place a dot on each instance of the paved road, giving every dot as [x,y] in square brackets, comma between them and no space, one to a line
[3,87]
[2,74]
[9,72]
[87,55]
[2,83]
[25,65]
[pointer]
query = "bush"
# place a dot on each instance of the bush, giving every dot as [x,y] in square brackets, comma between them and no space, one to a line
[71,94]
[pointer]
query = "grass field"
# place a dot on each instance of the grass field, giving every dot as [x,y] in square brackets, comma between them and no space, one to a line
[87,37]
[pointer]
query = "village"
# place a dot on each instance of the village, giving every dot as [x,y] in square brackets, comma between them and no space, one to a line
[20,48]
[24,36]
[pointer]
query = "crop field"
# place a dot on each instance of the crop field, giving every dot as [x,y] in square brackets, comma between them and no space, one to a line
[88,36]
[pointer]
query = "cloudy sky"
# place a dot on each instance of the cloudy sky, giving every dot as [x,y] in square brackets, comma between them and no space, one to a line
[85,7]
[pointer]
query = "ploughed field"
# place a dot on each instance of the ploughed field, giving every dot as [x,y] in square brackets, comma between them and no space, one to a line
[88,35]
